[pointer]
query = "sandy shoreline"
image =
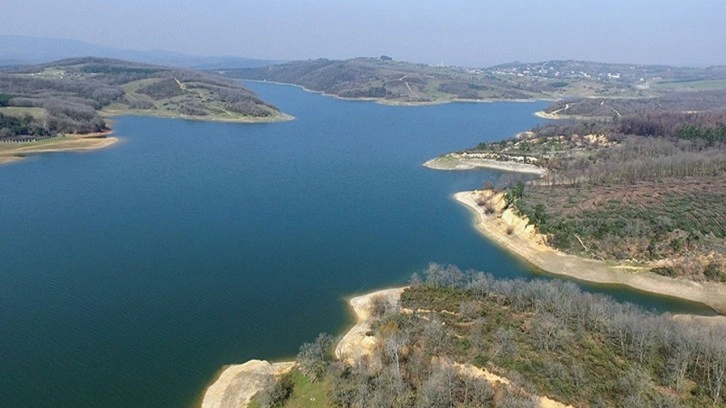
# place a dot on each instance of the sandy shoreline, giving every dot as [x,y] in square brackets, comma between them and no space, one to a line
[237,384]
[524,242]
[455,163]
[14,152]
[355,343]
[10,153]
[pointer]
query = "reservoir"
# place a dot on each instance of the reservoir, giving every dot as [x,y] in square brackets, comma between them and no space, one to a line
[129,276]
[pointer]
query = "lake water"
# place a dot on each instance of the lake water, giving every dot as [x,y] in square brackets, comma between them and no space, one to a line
[129,276]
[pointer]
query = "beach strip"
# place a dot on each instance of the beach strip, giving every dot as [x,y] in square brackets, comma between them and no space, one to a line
[12,152]
[462,162]
[513,233]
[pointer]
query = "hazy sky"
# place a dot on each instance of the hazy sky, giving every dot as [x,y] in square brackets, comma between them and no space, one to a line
[456,32]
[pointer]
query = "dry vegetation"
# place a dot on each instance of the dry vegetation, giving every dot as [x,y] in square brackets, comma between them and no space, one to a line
[647,187]
[535,338]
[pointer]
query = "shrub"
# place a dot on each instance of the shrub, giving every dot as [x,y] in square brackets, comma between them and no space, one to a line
[714,271]
[665,271]
[278,393]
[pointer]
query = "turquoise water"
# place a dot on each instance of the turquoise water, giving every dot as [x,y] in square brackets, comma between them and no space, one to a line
[129,276]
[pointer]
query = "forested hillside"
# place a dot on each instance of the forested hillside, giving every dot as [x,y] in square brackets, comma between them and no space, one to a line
[394,81]
[70,96]
[647,187]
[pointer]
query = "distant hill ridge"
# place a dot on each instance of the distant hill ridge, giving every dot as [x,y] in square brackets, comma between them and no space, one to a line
[403,82]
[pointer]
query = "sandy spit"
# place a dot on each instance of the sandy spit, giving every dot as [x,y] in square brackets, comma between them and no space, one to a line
[71,143]
[526,243]
[355,343]
[449,162]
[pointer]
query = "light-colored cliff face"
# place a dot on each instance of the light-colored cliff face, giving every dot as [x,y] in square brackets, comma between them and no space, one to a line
[511,222]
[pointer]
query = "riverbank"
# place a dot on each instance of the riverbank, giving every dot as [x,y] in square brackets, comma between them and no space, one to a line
[13,152]
[515,235]
[469,161]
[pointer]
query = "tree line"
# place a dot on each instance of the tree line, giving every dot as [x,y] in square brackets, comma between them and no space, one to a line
[12,127]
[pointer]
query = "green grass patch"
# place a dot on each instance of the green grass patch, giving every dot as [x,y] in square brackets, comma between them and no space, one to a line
[307,394]
[36,113]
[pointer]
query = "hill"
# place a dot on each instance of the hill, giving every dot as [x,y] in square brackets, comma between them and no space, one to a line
[401,82]
[70,96]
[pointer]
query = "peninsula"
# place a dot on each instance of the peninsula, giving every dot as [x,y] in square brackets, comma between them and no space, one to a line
[258,382]
[12,152]
[64,105]
[637,199]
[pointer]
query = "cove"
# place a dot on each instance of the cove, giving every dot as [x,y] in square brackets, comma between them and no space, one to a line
[130,276]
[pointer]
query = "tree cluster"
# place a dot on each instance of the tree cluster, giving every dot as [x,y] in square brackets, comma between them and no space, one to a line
[13,127]
[589,347]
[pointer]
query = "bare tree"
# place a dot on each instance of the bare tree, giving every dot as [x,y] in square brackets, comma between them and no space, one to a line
[314,357]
